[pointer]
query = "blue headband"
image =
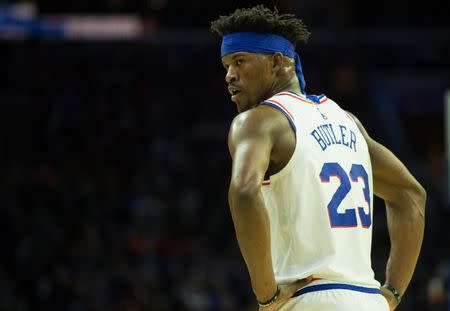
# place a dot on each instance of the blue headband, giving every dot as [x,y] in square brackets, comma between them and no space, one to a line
[255,42]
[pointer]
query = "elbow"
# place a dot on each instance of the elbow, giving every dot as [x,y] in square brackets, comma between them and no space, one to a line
[422,194]
[409,200]
[419,196]
[244,191]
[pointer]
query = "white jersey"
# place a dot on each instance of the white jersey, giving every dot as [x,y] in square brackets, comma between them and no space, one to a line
[320,203]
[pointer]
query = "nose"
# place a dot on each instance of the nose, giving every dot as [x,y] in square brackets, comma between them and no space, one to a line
[231,75]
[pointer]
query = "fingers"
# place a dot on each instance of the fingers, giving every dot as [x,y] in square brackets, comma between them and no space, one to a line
[286,292]
[390,298]
[293,287]
[306,280]
[302,282]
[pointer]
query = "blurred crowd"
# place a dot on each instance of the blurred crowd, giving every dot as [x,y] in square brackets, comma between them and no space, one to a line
[113,192]
[342,13]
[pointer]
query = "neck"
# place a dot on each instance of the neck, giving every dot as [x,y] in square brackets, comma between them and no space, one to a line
[284,85]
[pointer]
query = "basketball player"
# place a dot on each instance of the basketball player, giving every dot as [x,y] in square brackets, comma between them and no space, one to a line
[303,176]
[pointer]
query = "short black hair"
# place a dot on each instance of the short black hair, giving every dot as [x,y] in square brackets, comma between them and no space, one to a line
[261,19]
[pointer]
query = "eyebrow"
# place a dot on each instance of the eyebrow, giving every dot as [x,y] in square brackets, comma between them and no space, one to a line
[236,55]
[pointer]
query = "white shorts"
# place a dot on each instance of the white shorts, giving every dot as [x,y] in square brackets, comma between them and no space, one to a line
[336,297]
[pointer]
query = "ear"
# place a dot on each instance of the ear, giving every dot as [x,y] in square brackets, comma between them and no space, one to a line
[277,61]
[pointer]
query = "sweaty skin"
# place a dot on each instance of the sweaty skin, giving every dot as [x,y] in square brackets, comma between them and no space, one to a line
[258,77]
[405,202]
[262,141]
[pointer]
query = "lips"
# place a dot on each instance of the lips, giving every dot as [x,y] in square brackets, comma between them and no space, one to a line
[234,98]
[234,91]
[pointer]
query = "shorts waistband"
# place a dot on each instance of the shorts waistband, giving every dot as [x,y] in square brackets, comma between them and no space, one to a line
[329,286]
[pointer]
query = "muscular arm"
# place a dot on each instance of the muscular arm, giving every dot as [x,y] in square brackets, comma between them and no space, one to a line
[405,209]
[250,142]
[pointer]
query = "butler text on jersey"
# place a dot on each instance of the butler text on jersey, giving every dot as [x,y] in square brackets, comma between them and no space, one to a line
[327,135]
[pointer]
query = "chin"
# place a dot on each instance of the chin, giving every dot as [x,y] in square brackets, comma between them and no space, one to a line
[239,106]
[242,107]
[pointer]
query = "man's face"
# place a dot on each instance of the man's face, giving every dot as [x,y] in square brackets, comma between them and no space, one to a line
[249,78]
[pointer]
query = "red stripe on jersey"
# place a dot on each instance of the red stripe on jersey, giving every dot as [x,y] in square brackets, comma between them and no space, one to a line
[303,99]
[295,96]
[281,106]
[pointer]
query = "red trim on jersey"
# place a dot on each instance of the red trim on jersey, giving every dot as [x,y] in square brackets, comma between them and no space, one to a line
[272,101]
[295,96]
[303,99]
[323,100]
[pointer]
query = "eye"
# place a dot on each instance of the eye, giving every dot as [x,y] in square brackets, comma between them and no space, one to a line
[239,62]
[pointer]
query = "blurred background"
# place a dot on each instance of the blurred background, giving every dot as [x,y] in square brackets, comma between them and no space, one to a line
[114,165]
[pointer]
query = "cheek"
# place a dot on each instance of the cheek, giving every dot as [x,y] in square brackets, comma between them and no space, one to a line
[259,79]
[261,83]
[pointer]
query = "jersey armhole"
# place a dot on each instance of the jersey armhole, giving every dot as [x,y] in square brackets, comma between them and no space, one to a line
[283,110]
[350,116]
[268,179]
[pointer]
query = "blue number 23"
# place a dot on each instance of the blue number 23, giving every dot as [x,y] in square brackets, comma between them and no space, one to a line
[348,218]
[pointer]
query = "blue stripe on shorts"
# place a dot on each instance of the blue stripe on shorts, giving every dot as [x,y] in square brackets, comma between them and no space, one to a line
[320,287]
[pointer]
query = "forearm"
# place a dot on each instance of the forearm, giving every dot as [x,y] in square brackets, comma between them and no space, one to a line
[406,228]
[251,223]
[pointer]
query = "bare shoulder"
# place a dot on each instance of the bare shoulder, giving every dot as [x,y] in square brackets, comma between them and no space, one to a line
[259,120]
[256,116]
[376,150]
[262,122]
[360,127]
